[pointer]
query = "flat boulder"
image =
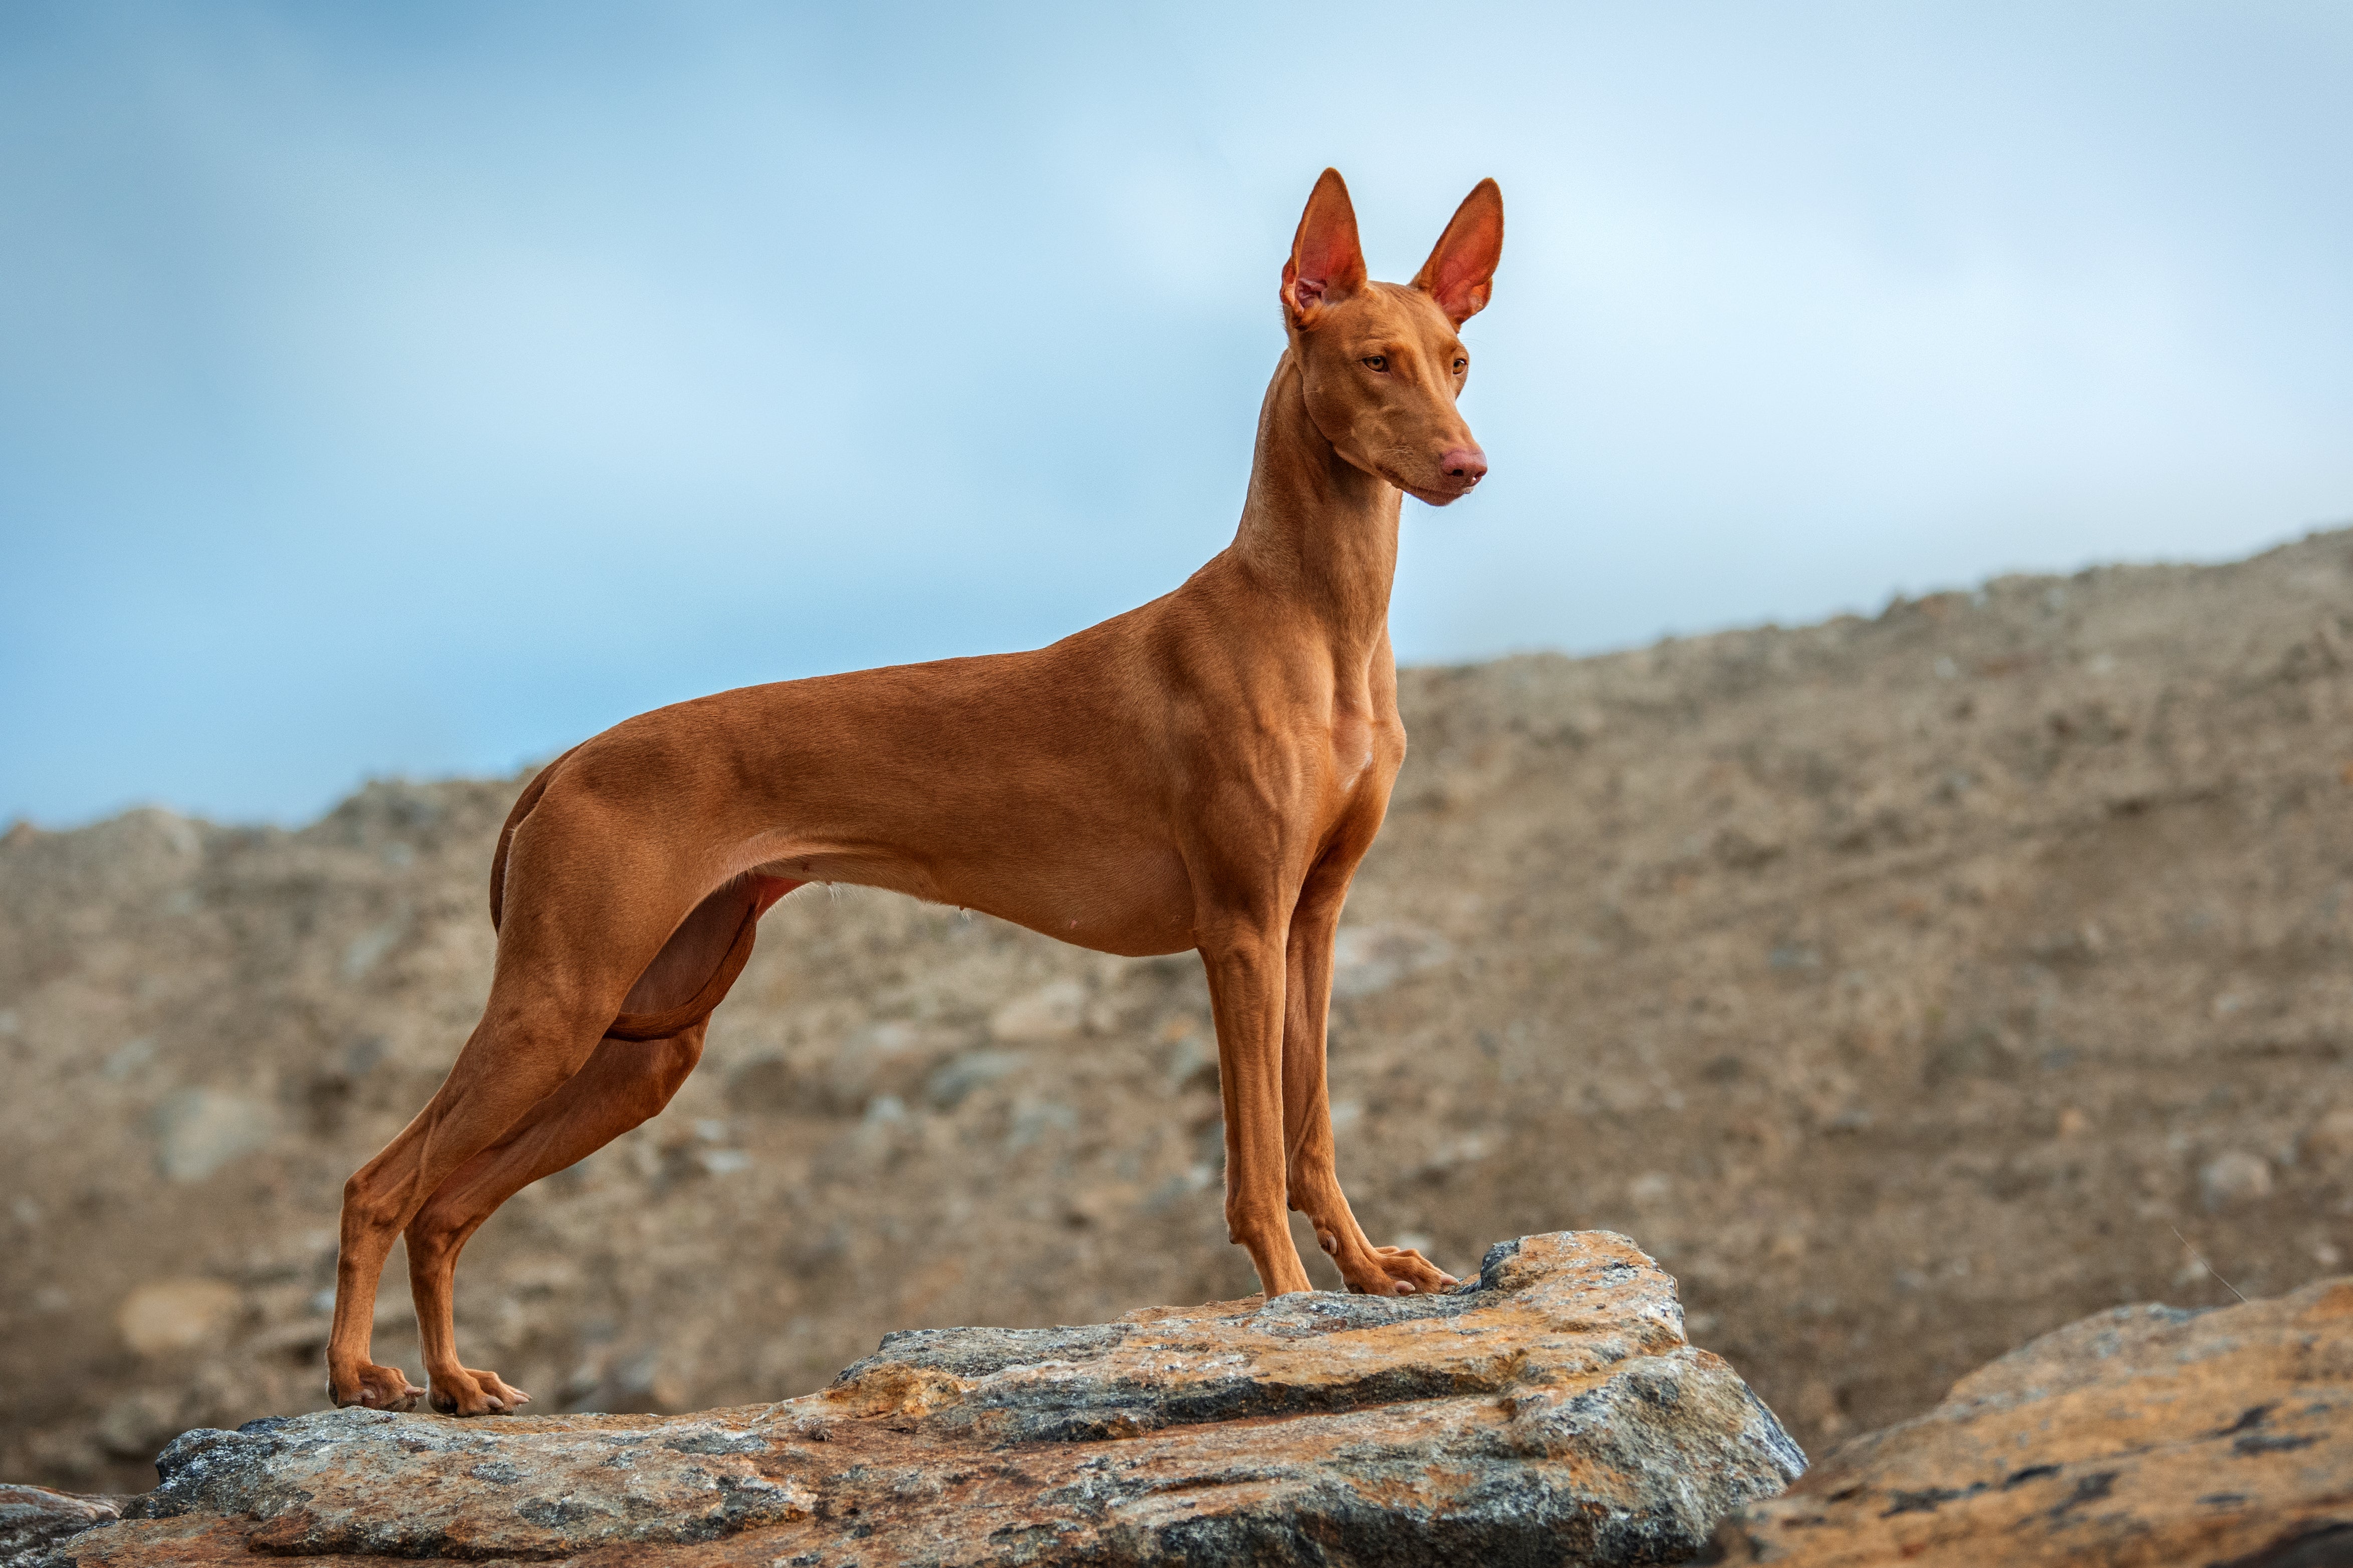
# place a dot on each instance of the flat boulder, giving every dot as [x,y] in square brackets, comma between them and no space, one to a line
[2143,1436]
[1551,1413]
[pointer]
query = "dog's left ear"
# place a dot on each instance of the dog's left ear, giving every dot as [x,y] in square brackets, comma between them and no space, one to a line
[1461,269]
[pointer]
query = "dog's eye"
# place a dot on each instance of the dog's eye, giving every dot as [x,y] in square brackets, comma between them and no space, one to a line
[1460,364]
[1376,362]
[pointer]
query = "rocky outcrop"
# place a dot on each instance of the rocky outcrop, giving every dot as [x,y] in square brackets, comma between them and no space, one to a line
[1553,1411]
[2143,1436]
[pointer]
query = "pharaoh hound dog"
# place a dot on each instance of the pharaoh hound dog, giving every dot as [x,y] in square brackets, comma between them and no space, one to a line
[1203,772]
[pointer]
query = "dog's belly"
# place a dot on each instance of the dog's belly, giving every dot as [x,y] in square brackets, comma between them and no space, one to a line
[1134,908]
[1134,899]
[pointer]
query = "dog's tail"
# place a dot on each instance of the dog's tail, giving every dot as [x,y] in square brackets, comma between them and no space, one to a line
[656,1026]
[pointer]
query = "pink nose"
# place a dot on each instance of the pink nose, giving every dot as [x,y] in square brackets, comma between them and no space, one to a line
[1464,464]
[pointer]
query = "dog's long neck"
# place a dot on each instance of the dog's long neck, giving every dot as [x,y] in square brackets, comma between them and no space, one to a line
[1317,529]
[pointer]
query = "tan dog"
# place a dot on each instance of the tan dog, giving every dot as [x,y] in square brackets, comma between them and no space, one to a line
[1205,772]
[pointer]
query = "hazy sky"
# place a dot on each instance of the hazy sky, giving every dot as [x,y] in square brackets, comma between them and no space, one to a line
[419,388]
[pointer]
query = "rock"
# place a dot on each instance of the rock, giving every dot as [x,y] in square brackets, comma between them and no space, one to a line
[1554,1412]
[764,1085]
[198,1131]
[33,1517]
[1369,959]
[164,1316]
[2145,1435]
[1053,1012]
[947,1086]
[139,1423]
[2237,1177]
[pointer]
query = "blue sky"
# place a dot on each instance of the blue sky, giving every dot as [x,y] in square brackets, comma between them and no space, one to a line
[416,389]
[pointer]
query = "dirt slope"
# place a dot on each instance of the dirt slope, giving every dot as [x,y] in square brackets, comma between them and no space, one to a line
[1904,985]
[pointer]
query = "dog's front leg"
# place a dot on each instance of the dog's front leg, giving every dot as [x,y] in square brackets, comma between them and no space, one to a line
[1245,962]
[1312,1170]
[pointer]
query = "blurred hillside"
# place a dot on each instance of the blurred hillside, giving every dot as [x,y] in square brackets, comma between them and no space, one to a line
[1904,985]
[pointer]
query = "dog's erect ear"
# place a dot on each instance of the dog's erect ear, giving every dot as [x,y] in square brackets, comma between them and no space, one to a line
[1326,264]
[1462,268]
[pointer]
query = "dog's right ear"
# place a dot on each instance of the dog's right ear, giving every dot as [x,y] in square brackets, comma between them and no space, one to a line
[1326,264]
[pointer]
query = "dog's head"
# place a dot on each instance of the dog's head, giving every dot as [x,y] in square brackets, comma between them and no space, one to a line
[1380,361]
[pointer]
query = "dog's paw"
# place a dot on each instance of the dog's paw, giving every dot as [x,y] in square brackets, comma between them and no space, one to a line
[468,1391]
[1398,1271]
[373,1388]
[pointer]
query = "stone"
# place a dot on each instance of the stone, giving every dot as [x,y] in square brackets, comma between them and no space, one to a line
[2237,1177]
[2142,1435]
[1551,1412]
[766,1086]
[35,1517]
[1370,959]
[947,1086]
[136,1425]
[1053,1012]
[167,1316]
[198,1131]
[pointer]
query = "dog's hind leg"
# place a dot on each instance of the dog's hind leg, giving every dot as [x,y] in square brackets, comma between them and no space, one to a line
[521,1053]
[481,1131]
[625,1083]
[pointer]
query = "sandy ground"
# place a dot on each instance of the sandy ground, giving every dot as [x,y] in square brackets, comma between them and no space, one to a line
[1908,986]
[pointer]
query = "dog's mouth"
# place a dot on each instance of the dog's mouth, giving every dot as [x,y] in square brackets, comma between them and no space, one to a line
[1435,495]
